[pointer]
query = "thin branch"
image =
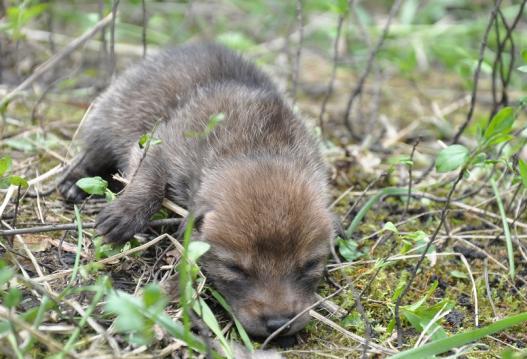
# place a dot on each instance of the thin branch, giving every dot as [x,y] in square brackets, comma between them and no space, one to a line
[410,168]
[331,84]
[371,57]
[143,33]
[112,37]
[296,70]
[73,226]
[473,97]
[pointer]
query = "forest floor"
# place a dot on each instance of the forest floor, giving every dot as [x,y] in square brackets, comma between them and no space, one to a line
[400,124]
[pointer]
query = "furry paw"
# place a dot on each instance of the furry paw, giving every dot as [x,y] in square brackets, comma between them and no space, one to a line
[69,190]
[118,222]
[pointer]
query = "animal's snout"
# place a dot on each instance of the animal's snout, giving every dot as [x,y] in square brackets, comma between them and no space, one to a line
[274,323]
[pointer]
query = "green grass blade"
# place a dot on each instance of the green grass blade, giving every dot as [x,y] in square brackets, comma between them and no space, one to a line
[506,231]
[389,191]
[444,345]
[241,331]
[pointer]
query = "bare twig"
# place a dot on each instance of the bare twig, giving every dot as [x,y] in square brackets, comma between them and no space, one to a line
[371,57]
[72,226]
[115,5]
[296,70]
[143,33]
[473,97]
[329,92]
[410,168]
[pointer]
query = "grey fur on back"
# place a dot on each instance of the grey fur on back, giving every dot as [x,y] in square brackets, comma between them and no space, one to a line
[180,90]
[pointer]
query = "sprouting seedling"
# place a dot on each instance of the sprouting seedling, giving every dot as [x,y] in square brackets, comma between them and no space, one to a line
[96,186]
[9,180]
[214,121]
[147,140]
[498,131]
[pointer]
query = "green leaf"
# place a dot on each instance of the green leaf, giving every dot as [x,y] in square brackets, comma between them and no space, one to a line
[12,297]
[21,144]
[146,140]
[499,138]
[109,195]
[522,68]
[458,274]
[455,341]
[125,306]
[93,185]
[501,123]
[5,165]
[389,226]
[153,297]
[6,273]
[4,182]
[451,158]
[523,172]
[196,249]
[18,181]
[203,310]
[349,249]
[235,40]
[243,334]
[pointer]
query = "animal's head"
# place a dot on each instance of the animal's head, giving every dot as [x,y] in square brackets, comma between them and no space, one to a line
[269,230]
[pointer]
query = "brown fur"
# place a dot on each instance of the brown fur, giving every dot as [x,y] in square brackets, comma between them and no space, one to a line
[256,180]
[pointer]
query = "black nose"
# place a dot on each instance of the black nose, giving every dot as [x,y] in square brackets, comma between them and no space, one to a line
[275,323]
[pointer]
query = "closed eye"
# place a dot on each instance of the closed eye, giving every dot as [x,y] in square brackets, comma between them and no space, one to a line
[311,265]
[236,269]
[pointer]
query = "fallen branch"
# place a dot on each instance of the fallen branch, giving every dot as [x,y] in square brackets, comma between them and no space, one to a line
[72,226]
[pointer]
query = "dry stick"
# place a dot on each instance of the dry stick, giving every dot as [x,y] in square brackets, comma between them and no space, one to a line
[54,61]
[331,84]
[498,60]
[473,96]
[296,71]
[112,37]
[72,226]
[508,35]
[305,310]
[143,34]
[423,256]
[477,72]
[371,57]
[410,167]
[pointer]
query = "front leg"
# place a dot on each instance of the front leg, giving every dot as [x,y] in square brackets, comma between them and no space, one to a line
[142,197]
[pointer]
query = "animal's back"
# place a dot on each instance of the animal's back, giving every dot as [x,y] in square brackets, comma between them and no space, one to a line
[149,92]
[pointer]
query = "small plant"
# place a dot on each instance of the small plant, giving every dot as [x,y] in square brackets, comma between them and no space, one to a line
[214,121]
[9,180]
[96,186]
